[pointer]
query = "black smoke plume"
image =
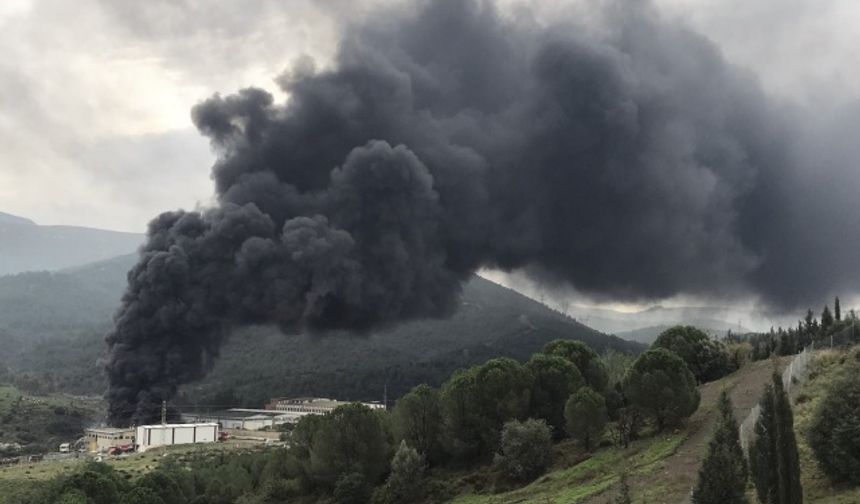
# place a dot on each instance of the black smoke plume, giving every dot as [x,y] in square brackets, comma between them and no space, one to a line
[631,162]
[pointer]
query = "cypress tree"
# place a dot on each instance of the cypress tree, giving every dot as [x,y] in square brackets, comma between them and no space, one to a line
[837,310]
[826,320]
[789,460]
[723,475]
[774,461]
[762,450]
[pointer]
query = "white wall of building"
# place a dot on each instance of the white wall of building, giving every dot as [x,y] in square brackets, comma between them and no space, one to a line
[151,436]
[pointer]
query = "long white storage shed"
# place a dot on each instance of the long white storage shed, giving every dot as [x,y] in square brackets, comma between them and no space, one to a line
[151,436]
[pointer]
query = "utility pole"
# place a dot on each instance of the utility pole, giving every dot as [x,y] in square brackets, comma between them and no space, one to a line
[163,412]
[385,397]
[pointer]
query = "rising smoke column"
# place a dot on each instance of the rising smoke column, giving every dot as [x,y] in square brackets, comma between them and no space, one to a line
[630,162]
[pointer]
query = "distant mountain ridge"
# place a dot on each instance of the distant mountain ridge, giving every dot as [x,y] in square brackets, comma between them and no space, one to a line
[6,218]
[715,318]
[27,246]
[648,335]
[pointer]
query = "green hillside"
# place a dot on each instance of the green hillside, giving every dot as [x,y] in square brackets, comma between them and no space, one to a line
[38,424]
[492,321]
[54,325]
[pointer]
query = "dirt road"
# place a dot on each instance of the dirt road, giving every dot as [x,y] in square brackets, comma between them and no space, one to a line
[673,478]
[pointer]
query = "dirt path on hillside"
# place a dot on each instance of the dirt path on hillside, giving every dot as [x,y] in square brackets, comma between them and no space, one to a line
[673,478]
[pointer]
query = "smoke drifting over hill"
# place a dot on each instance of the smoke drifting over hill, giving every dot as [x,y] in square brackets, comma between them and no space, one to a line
[631,162]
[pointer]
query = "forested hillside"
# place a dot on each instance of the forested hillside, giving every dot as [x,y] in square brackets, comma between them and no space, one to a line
[492,321]
[53,325]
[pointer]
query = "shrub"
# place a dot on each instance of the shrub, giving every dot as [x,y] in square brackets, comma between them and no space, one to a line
[407,474]
[525,450]
[584,358]
[833,433]
[351,488]
[142,495]
[585,415]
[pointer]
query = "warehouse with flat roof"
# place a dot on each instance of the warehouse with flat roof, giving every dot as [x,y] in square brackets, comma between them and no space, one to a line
[244,419]
[312,405]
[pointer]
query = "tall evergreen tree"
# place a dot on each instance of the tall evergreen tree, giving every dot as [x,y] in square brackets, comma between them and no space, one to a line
[809,323]
[789,460]
[774,462]
[826,320]
[723,475]
[837,310]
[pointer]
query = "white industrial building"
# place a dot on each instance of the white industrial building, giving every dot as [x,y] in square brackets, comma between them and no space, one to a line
[152,436]
[244,419]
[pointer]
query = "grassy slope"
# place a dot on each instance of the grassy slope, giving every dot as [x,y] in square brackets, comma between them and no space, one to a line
[20,477]
[816,487]
[41,423]
[663,468]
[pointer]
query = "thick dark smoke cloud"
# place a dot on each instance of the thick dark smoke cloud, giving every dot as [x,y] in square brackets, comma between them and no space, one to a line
[631,162]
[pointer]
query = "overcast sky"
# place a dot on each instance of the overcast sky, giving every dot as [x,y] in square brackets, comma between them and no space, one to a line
[95,94]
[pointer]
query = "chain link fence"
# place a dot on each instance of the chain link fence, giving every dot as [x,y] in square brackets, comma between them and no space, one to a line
[792,377]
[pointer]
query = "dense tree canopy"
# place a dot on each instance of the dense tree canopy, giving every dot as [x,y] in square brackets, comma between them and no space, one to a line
[478,401]
[584,358]
[418,421]
[707,359]
[554,379]
[351,439]
[661,385]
